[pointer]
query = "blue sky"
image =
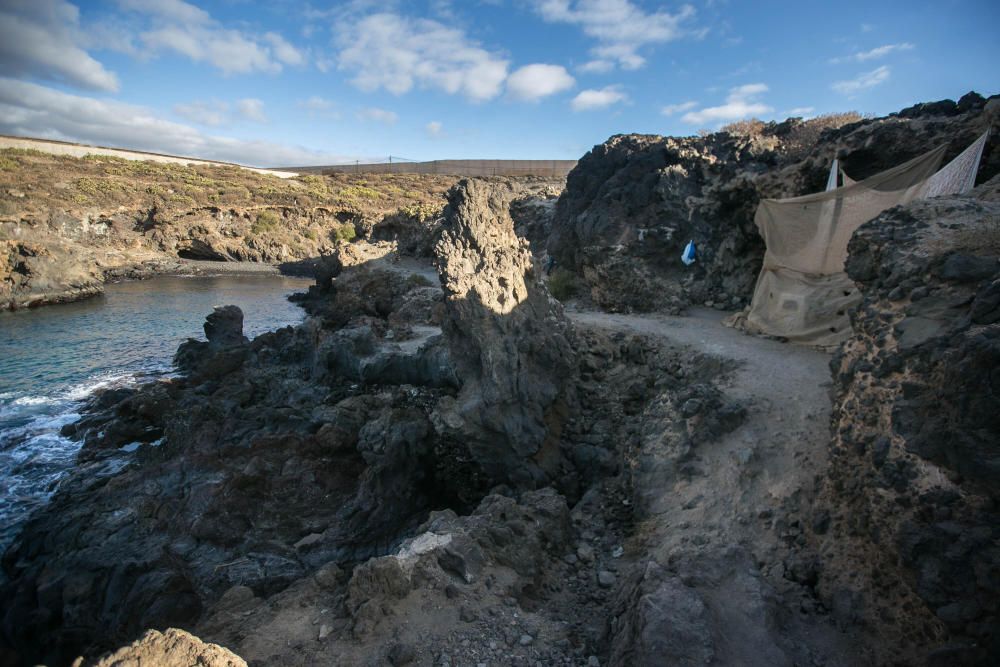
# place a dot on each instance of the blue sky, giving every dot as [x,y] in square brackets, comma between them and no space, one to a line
[285,83]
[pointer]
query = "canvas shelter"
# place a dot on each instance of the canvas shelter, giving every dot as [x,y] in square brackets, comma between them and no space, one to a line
[802,292]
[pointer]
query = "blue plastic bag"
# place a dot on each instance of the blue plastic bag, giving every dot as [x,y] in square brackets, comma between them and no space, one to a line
[688,256]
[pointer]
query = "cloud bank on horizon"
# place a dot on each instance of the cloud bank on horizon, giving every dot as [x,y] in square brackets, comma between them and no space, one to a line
[312,83]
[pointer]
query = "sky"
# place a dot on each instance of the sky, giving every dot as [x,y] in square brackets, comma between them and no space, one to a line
[286,83]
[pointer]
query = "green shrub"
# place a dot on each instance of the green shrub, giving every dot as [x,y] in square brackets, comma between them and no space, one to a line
[6,164]
[562,284]
[422,212]
[344,233]
[360,192]
[267,221]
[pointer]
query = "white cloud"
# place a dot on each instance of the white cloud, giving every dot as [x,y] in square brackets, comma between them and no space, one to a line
[283,50]
[434,128]
[320,107]
[596,67]
[171,10]
[873,54]
[252,109]
[740,103]
[190,31]
[801,111]
[396,53]
[533,82]
[43,39]
[863,81]
[215,113]
[671,109]
[620,27]
[28,109]
[317,103]
[212,113]
[589,100]
[378,115]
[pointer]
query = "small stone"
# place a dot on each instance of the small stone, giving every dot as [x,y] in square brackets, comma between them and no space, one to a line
[570,558]
[691,407]
[327,576]
[585,552]
[324,631]
[592,661]
[605,579]
[617,552]
[525,640]
[451,591]
[467,614]
[308,541]
[401,654]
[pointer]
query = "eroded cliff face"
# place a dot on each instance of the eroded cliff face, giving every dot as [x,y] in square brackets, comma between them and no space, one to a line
[508,338]
[909,536]
[633,203]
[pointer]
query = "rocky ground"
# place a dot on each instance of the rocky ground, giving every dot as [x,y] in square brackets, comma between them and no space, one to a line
[445,466]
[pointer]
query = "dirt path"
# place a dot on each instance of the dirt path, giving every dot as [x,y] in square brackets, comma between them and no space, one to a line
[728,521]
[724,527]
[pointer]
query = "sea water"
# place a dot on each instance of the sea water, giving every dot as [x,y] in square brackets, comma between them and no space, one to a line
[53,358]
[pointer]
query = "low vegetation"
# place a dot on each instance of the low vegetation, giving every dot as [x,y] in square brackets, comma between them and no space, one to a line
[562,284]
[267,221]
[344,233]
[108,182]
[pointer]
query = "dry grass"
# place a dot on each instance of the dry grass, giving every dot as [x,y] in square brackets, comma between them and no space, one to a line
[794,139]
[106,182]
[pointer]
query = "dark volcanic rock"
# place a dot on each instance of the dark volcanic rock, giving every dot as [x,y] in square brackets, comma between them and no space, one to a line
[249,459]
[914,479]
[509,340]
[633,203]
[224,351]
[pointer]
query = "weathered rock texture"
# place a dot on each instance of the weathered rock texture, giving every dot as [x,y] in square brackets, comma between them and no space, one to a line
[911,546]
[508,337]
[633,203]
[271,466]
[171,648]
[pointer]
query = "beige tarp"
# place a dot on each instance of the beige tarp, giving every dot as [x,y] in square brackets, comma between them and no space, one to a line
[802,293]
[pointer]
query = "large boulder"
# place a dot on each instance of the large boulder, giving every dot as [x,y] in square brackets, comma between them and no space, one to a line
[223,352]
[509,340]
[915,470]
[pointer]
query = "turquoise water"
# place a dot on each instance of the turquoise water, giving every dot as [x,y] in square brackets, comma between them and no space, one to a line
[54,357]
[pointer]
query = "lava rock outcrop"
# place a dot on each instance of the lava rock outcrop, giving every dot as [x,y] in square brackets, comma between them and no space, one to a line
[509,340]
[911,545]
[632,204]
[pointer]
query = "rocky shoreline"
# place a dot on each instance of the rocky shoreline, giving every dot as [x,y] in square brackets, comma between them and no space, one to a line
[443,465]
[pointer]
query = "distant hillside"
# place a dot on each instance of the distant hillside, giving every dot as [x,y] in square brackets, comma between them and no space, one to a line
[80,150]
